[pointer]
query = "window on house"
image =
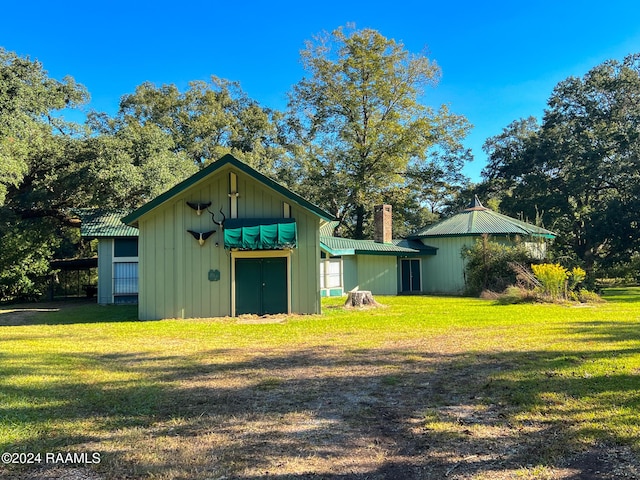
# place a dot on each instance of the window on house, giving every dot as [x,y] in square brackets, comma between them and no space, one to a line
[125,247]
[125,278]
[330,273]
[125,282]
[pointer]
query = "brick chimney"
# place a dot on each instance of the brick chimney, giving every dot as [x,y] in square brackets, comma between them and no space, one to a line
[382,217]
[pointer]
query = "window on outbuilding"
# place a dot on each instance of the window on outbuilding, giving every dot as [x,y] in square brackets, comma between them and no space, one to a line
[125,247]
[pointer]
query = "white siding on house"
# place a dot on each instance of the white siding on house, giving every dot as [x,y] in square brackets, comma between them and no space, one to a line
[105,274]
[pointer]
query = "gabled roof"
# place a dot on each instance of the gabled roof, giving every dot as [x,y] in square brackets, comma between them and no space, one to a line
[327,228]
[100,224]
[399,248]
[133,217]
[476,219]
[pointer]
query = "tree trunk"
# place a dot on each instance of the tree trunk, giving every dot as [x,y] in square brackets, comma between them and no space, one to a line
[360,298]
[358,234]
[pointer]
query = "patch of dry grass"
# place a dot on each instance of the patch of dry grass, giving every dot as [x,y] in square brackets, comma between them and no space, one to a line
[425,388]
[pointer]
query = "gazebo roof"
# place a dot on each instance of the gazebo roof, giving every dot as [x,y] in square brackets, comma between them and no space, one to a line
[476,219]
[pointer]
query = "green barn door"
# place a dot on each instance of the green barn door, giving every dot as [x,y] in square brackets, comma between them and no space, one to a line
[261,285]
[410,275]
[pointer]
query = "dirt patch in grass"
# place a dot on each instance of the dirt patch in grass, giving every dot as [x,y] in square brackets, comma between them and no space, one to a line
[16,315]
[33,313]
[329,413]
[421,409]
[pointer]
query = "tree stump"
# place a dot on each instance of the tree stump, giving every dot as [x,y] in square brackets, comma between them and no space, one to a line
[359,298]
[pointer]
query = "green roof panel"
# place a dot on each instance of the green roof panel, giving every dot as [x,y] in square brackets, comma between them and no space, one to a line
[346,246]
[479,220]
[102,224]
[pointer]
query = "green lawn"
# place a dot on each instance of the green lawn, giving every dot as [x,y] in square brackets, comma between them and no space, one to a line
[425,387]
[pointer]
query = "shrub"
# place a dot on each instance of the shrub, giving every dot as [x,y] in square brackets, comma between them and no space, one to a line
[576,276]
[587,296]
[488,265]
[515,294]
[553,278]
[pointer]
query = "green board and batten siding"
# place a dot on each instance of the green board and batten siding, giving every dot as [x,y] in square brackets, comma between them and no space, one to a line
[445,271]
[174,268]
[378,274]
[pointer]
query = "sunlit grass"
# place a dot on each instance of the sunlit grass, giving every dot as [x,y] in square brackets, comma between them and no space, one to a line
[96,376]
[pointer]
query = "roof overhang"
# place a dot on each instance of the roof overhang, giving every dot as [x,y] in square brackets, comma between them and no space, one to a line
[133,217]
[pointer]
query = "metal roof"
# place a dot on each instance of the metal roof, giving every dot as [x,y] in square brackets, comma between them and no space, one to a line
[478,220]
[100,224]
[326,229]
[346,246]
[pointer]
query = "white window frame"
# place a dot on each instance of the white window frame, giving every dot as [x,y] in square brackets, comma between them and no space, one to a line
[113,271]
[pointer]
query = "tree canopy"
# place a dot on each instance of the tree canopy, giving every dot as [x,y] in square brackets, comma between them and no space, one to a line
[203,123]
[581,166]
[358,132]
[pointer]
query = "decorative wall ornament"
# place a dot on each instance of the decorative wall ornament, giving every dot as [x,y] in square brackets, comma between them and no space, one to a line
[213,218]
[199,207]
[201,237]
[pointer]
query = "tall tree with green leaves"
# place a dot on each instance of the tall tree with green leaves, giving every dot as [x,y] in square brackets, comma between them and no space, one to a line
[29,100]
[357,129]
[581,166]
[34,145]
[206,121]
[50,167]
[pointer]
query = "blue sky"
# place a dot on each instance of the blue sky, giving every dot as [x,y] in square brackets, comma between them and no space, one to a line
[500,60]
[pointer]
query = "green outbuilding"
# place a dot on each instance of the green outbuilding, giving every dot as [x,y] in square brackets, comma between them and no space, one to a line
[117,255]
[453,234]
[228,241]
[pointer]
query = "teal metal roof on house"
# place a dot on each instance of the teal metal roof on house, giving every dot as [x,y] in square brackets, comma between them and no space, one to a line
[346,246]
[479,220]
[326,229]
[100,224]
[132,218]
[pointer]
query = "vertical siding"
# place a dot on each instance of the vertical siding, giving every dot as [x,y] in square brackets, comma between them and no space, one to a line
[105,270]
[305,264]
[378,273]
[202,297]
[350,272]
[157,266]
[444,272]
[174,268]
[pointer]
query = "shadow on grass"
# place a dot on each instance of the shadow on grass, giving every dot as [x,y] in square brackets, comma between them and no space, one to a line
[65,313]
[622,295]
[323,412]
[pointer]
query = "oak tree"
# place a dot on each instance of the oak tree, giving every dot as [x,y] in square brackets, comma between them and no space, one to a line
[358,130]
[580,166]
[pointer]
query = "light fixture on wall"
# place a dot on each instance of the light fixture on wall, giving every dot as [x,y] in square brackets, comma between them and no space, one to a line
[199,207]
[201,237]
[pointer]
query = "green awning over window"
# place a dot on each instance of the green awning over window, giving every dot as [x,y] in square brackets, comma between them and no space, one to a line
[260,233]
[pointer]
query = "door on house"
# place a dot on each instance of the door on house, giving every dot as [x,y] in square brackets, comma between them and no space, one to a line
[410,269]
[261,285]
